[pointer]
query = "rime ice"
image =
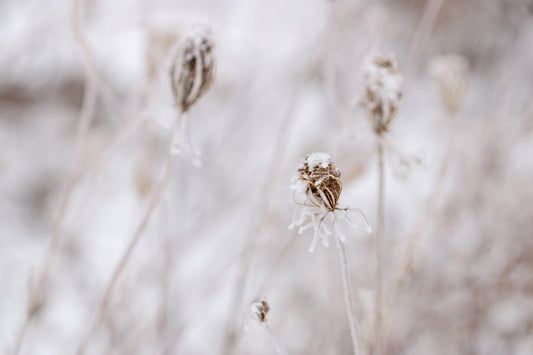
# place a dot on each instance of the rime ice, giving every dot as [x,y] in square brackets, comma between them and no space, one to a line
[317,182]
[382,91]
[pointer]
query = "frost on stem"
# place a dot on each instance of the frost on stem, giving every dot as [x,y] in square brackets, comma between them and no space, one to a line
[382,93]
[318,185]
[193,67]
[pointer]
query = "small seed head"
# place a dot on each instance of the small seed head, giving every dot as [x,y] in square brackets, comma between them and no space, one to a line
[318,177]
[259,310]
[193,67]
[382,94]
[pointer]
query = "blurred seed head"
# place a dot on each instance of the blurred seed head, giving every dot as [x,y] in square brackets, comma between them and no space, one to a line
[259,310]
[193,67]
[451,73]
[318,177]
[382,93]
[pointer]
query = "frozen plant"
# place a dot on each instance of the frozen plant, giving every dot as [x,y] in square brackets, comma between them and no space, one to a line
[318,180]
[259,309]
[317,183]
[382,93]
[258,312]
[193,67]
[381,98]
[192,73]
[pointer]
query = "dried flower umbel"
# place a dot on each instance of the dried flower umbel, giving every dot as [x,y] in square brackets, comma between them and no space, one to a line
[193,67]
[382,94]
[317,180]
[259,310]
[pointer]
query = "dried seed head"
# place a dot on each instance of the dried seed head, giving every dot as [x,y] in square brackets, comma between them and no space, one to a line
[193,67]
[259,310]
[451,73]
[318,177]
[382,94]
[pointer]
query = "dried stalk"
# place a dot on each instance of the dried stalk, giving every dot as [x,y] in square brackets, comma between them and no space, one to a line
[153,203]
[37,291]
[280,350]
[347,288]
[424,28]
[380,225]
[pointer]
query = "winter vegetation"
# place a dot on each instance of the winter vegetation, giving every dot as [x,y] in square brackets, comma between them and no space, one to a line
[266,177]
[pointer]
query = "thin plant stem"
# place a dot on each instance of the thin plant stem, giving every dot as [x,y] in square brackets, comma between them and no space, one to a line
[90,95]
[163,312]
[139,232]
[280,350]
[423,30]
[425,216]
[254,225]
[380,226]
[20,337]
[430,205]
[347,288]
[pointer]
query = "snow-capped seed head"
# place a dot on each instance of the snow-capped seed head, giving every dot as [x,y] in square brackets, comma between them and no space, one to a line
[259,310]
[451,74]
[193,67]
[382,94]
[318,177]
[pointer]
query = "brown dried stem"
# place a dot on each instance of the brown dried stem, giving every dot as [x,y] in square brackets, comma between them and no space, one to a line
[37,290]
[139,232]
[347,288]
[380,226]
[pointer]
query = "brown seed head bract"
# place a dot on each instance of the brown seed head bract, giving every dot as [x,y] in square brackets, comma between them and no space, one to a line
[319,178]
[193,67]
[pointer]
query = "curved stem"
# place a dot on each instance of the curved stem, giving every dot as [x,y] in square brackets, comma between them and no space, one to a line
[423,30]
[380,226]
[153,203]
[347,288]
[86,115]
[280,350]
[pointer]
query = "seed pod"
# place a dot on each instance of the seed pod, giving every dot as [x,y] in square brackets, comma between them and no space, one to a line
[193,67]
[259,310]
[319,178]
[382,93]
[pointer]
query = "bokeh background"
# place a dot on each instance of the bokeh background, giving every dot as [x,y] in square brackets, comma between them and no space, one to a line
[459,198]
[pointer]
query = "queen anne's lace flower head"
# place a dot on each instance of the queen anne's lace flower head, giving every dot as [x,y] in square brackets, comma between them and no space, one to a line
[193,67]
[318,185]
[382,94]
[258,310]
[319,178]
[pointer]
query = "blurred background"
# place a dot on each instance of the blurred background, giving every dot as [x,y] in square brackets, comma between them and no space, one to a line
[459,199]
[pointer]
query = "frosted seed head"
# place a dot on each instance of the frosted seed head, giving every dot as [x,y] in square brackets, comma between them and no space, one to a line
[259,310]
[451,74]
[382,93]
[318,177]
[193,67]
